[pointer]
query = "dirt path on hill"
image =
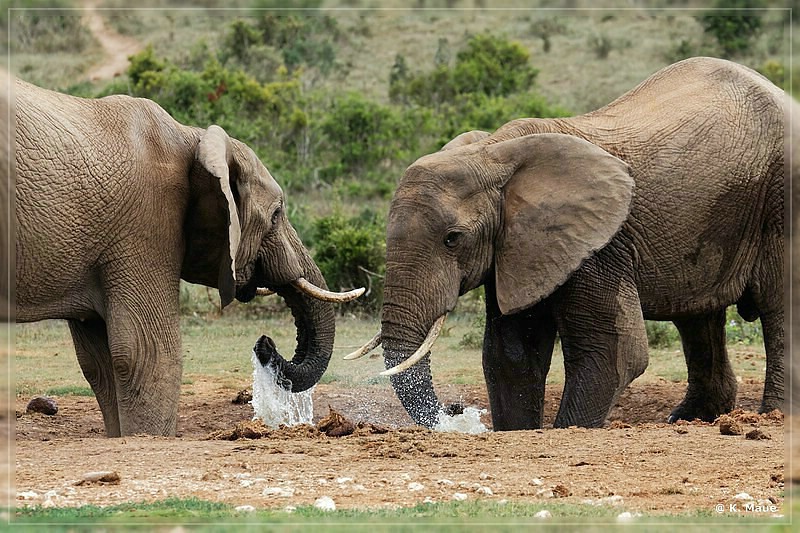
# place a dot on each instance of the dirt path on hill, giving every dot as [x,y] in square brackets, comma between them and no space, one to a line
[117,47]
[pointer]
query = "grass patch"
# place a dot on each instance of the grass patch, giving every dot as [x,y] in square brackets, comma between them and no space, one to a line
[210,516]
[70,390]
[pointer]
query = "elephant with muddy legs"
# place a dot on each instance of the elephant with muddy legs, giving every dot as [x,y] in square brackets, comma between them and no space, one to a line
[116,202]
[666,204]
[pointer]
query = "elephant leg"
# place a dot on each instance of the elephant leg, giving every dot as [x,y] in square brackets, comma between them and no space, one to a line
[712,383]
[91,346]
[604,343]
[772,326]
[516,358]
[144,339]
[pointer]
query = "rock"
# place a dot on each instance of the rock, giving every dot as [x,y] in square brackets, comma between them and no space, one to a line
[487,491]
[280,492]
[459,496]
[43,405]
[729,426]
[757,434]
[102,477]
[325,503]
[243,397]
[335,425]
[560,491]
[414,486]
[543,514]
[245,509]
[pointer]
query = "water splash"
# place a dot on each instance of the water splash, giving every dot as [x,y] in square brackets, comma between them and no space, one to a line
[275,405]
[467,422]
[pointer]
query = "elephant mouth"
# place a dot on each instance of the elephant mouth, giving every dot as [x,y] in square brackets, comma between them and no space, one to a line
[247,292]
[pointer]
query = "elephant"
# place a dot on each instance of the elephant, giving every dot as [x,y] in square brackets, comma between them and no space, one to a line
[7,181]
[665,204]
[116,202]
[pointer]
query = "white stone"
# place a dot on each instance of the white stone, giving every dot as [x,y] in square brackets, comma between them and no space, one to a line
[281,492]
[742,496]
[537,482]
[459,496]
[245,482]
[325,503]
[289,508]
[341,480]
[446,482]
[627,516]
[27,495]
[484,490]
[414,486]
[485,476]
[428,499]
[244,509]
[543,514]
[545,493]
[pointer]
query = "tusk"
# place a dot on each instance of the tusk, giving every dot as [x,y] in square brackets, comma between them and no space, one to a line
[364,350]
[422,351]
[327,296]
[264,292]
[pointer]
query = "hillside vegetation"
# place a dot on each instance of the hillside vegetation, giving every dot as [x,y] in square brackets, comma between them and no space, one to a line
[337,101]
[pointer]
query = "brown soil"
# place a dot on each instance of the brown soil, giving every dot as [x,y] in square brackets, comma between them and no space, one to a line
[637,463]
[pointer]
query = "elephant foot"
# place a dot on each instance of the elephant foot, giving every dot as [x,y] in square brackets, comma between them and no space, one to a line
[770,404]
[691,409]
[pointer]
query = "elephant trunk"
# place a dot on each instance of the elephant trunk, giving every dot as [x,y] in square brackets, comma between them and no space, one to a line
[413,386]
[315,323]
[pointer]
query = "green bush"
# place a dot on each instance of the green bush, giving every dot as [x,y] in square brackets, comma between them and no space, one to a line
[351,253]
[731,25]
[487,65]
[661,334]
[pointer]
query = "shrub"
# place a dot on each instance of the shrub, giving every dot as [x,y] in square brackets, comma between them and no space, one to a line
[350,253]
[488,65]
[661,334]
[732,26]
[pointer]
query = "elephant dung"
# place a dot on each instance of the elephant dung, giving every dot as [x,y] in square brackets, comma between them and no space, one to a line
[42,404]
[729,426]
[335,425]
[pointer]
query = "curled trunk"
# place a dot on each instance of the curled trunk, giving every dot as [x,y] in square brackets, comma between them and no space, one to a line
[315,323]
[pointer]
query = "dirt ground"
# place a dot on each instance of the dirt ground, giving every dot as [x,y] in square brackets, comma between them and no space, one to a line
[637,463]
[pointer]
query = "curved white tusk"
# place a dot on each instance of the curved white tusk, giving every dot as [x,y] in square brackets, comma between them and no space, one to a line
[364,350]
[321,294]
[264,292]
[422,351]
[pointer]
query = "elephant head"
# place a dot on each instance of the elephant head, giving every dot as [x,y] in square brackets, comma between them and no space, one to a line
[524,212]
[239,240]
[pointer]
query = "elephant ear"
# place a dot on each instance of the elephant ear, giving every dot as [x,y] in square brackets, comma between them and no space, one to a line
[212,225]
[468,137]
[564,199]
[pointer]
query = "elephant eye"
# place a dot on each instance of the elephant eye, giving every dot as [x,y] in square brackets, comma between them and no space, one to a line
[451,240]
[276,215]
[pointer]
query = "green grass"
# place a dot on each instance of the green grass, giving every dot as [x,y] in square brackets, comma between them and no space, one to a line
[70,390]
[220,347]
[209,516]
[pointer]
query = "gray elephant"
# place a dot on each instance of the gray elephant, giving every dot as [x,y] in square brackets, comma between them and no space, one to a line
[666,204]
[7,181]
[116,202]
